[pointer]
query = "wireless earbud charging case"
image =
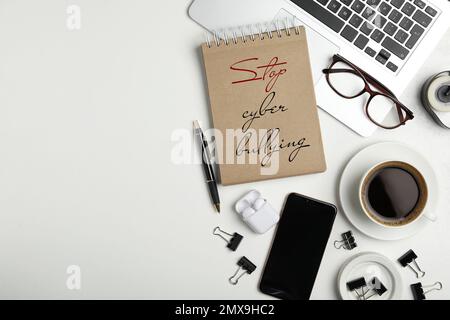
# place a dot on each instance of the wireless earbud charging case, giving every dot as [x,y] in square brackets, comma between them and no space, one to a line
[263,218]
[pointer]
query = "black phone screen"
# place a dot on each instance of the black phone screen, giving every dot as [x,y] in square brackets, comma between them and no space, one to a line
[298,247]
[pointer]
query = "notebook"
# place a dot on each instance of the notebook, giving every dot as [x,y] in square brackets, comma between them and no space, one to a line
[263,104]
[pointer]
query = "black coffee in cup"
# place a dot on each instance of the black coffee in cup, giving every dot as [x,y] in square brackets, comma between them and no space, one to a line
[394,193]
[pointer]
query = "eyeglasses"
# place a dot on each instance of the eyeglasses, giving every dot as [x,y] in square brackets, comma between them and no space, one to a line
[382,108]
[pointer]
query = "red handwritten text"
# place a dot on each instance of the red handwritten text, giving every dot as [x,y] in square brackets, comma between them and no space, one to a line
[271,71]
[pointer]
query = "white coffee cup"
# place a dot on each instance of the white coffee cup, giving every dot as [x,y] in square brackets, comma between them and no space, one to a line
[399,178]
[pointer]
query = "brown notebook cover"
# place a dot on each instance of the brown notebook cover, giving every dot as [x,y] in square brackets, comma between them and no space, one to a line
[263,107]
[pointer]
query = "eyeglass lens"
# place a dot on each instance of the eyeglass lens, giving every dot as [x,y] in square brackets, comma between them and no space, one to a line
[381,109]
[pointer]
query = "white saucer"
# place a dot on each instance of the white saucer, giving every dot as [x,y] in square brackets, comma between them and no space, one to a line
[369,265]
[360,164]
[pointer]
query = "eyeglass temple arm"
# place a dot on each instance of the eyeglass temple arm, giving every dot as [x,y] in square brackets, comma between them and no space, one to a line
[400,115]
[330,71]
[382,88]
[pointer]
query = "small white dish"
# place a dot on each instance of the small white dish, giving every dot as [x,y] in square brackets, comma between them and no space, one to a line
[360,164]
[369,265]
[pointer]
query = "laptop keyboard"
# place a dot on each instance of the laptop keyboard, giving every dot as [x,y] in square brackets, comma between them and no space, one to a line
[386,30]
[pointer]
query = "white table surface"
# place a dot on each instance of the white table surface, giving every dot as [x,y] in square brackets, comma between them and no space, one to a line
[86,178]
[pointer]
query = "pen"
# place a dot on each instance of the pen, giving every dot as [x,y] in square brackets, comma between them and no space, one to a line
[207,167]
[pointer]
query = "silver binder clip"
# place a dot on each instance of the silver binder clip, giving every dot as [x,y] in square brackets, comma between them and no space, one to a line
[409,260]
[246,266]
[420,291]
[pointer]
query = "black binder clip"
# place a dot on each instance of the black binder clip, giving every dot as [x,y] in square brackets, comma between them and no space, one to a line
[358,284]
[420,291]
[246,266]
[348,241]
[409,260]
[377,288]
[233,242]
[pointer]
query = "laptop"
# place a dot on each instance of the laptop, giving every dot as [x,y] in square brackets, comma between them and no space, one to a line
[389,39]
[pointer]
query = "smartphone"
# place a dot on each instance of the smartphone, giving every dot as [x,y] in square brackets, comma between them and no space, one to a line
[297,250]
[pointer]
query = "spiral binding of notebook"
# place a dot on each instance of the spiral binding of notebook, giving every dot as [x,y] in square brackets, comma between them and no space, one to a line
[246,33]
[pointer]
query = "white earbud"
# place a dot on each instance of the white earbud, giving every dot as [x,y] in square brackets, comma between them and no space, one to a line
[248,213]
[259,203]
